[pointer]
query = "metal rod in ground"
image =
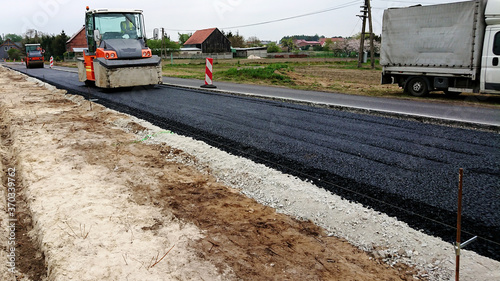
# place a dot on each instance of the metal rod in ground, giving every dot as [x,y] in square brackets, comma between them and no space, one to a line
[459,224]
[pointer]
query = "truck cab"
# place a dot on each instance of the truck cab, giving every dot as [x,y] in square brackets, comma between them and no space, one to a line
[490,70]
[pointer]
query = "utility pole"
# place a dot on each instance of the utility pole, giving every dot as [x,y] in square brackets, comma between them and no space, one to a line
[162,42]
[372,53]
[362,41]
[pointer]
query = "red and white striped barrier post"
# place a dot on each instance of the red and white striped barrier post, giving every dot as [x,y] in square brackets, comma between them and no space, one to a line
[208,74]
[51,61]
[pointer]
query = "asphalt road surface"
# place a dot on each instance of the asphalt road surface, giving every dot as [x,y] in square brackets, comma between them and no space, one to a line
[404,168]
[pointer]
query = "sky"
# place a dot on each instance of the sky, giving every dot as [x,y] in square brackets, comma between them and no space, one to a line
[264,19]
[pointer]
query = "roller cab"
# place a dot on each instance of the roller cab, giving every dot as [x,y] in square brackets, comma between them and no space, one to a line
[117,55]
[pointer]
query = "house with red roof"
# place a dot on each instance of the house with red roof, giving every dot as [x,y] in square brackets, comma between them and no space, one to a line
[209,41]
[335,40]
[303,43]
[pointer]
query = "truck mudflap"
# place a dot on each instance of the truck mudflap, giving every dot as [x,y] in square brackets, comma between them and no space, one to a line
[127,73]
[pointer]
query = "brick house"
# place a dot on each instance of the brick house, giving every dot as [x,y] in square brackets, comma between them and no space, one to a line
[209,41]
[77,43]
[7,45]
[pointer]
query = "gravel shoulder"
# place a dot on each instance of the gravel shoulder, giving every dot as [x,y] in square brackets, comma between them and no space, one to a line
[111,197]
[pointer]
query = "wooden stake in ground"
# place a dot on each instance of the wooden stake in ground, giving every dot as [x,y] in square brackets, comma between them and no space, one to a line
[459,222]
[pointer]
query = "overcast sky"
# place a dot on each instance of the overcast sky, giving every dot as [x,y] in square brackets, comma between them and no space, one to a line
[287,17]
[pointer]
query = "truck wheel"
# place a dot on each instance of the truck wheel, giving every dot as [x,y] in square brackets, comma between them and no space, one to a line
[417,87]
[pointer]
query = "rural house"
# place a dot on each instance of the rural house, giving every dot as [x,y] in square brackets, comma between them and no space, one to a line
[335,41]
[6,46]
[303,43]
[77,43]
[209,41]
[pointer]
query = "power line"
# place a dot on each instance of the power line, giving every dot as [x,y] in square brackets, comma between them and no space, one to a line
[341,6]
[299,16]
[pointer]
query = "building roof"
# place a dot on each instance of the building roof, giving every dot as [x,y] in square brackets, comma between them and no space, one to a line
[74,35]
[334,39]
[189,49]
[199,36]
[250,48]
[9,42]
[302,43]
[119,11]
[79,50]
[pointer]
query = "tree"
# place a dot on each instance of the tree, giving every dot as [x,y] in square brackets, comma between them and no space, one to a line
[273,48]
[58,45]
[304,37]
[329,45]
[13,37]
[184,37]
[46,44]
[168,44]
[288,43]
[14,54]
[237,41]
[253,41]
[32,36]
[1,40]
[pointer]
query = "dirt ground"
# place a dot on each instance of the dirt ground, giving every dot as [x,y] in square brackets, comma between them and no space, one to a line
[94,202]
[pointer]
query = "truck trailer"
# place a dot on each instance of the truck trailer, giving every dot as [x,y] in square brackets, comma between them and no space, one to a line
[452,47]
[117,55]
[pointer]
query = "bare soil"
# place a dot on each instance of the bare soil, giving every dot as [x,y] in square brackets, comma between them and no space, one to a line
[102,205]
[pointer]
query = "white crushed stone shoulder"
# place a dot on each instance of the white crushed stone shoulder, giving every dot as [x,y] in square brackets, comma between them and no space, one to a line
[365,228]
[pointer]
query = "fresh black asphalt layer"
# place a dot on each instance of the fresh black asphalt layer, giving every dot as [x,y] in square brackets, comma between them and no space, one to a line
[403,168]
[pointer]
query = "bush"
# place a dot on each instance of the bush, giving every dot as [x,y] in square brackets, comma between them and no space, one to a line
[14,54]
[273,48]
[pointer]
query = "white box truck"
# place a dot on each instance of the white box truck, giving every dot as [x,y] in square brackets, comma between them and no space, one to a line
[452,47]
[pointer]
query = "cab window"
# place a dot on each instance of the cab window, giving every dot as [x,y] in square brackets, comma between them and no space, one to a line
[496,44]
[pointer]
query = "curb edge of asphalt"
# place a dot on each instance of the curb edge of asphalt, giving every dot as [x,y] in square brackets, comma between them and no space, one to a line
[360,110]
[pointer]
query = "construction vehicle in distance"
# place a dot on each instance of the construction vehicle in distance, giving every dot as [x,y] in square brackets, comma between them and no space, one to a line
[34,56]
[117,54]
